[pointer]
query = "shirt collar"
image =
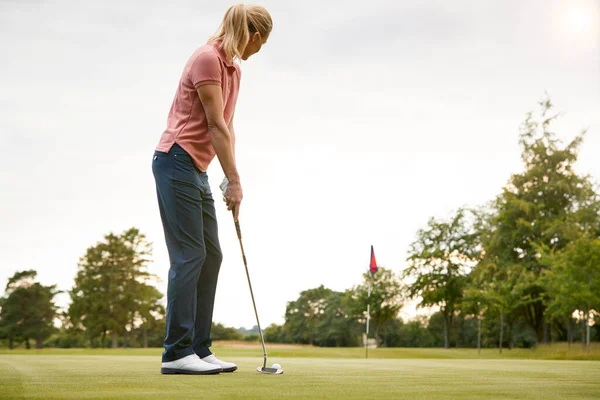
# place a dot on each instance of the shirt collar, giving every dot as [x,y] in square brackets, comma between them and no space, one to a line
[218,46]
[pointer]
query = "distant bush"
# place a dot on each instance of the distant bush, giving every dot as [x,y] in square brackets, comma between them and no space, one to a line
[253,337]
[221,332]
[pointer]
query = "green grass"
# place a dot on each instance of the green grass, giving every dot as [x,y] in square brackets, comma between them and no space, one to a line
[559,351]
[309,373]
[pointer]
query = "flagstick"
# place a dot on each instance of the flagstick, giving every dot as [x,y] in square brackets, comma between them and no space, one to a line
[368,318]
[372,270]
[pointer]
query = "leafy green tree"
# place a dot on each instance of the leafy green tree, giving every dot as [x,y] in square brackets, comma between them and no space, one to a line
[67,335]
[463,332]
[438,263]
[502,293]
[303,315]
[547,204]
[152,333]
[415,334]
[320,317]
[385,302]
[275,334]
[338,327]
[222,332]
[112,291]
[27,309]
[147,313]
[474,304]
[436,327]
[573,282]
[251,337]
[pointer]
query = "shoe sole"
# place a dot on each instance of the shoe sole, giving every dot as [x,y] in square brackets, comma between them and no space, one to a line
[175,371]
[229,369]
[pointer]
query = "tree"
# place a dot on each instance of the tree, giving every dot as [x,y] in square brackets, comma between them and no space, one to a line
[222,332]
[275,334]
[338,327]
[474,304]
[391,333]
[111,293]
[304,314]
[152,331]
[149,313]
[545,205]
[438,263]
[498,290]
[385,301]
[27,309]
[573,282]
[503,293]
[67,335]
[415,334]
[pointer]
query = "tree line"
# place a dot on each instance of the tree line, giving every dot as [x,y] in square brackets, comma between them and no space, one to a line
[520,270]
[113,298]
[113,302]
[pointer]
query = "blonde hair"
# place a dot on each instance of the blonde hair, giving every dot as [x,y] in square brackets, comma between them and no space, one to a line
[239,23]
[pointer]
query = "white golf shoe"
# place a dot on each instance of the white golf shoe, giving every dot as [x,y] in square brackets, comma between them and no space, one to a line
[190,365]
[226,366]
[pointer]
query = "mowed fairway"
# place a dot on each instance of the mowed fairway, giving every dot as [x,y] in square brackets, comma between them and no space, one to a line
[134,374]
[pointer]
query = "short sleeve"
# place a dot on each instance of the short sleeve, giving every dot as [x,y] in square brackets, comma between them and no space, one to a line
[206,70]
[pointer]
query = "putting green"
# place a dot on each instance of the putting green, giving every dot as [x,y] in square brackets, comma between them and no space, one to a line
[71,376]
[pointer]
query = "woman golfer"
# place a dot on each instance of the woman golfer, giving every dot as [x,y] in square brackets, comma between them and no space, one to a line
[200,126]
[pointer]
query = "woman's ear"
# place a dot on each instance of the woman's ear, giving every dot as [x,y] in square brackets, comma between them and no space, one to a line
[255,37]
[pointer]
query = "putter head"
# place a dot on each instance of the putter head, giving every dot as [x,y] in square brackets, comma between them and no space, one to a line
[270,371]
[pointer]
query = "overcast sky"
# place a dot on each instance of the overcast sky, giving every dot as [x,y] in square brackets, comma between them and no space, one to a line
[355,123]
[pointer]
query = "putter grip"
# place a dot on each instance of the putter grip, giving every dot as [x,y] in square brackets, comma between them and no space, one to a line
[237,225]
[237,229]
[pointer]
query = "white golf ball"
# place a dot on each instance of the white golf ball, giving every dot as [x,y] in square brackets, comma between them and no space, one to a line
[277,366]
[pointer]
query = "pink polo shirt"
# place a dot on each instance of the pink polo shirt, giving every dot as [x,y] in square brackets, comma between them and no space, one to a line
[187,124]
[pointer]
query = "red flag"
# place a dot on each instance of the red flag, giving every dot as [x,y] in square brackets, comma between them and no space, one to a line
[373,265]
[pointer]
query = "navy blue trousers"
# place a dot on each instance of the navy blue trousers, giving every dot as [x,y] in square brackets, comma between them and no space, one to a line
[187,211]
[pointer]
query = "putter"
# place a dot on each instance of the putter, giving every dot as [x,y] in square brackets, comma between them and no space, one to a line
[264,369]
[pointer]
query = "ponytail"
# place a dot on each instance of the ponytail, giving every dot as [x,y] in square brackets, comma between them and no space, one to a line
[239,22]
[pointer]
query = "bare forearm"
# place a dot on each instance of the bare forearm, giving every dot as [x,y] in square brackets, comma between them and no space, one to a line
[232,131]
[223,142]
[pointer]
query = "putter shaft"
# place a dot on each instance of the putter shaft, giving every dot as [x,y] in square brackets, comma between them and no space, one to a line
[262,340]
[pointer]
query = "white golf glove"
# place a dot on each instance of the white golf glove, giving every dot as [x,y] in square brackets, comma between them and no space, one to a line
[223,187]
